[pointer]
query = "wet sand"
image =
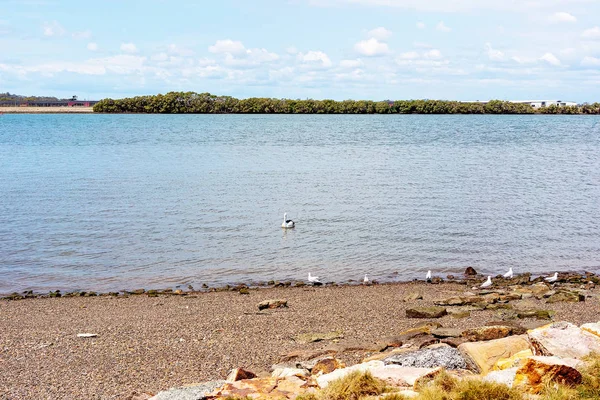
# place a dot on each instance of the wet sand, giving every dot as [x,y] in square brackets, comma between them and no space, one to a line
[148,344]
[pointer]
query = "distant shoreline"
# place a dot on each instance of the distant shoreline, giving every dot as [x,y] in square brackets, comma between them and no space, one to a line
[46,110]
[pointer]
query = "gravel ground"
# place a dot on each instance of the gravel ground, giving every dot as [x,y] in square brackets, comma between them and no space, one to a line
[148,344]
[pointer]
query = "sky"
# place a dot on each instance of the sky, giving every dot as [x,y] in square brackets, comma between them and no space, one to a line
[321,49]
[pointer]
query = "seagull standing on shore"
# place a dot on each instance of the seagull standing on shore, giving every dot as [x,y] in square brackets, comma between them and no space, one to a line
[509,274]
[428,276]
[552,278]
[287,223]
[365,280]
[487,283]
[313,279]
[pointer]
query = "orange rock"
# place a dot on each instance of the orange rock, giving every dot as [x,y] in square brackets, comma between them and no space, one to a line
[327,365]
[538,370]
[238,374]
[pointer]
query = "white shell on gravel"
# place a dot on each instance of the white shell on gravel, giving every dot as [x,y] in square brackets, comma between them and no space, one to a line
[84,335]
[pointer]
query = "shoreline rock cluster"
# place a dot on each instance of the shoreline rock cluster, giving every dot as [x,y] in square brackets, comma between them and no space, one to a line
[524,360]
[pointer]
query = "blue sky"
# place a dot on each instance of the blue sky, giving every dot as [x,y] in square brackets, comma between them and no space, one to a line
[340,49]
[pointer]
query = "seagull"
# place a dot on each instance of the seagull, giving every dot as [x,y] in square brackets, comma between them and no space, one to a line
[287,223]
[487,283]
[509,274]
[313,279]
[428,276]
[552,278]
[365,280]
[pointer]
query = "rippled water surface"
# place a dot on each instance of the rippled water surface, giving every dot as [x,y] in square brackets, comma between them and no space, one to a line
[108,202]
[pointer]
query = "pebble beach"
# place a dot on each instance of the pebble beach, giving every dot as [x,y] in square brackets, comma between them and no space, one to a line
[142,344]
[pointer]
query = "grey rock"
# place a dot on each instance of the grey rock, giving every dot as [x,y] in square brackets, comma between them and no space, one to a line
[196,392]
[447,357]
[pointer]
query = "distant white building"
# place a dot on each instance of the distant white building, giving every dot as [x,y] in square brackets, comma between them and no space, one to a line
[544,103]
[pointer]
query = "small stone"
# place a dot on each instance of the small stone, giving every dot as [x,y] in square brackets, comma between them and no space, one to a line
[268,304]
[491,332]
[327,365]
[446,332]
[138,291]
[426,312]
[537,314]
[318,337]
[238,374]
[470,271]
[413,297]
[570,297]
[244,291]
[87,335]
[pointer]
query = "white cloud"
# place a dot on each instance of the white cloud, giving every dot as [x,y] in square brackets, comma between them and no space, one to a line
[227,46]
[291,50]
[379,33]
[179,51]
[493,54]
[433,54]
[92,46]
[351,63]
[53,28]
[590,61]
[128,48]
[421,25]
[592,33]
[410,55]
[120,64]
[442,27]
[371,47]
[82,35]
[562,17]
[550,59]
[315,58]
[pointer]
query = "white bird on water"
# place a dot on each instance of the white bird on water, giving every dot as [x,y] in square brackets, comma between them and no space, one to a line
[509,274]
[313,279]
[487,283]
[552,278]
[287,223]
[365,280]
[428,276]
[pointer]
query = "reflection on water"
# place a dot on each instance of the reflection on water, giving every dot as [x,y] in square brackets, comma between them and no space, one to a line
[108,202]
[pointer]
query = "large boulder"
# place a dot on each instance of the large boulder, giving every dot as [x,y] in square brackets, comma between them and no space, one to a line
[564,340]
[482,356]
[445,356]
[263,388]
[565,296]
[536,371]
[426,312]
[513,361]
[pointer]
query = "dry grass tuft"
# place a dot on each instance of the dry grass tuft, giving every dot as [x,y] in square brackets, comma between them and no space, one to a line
[354,386]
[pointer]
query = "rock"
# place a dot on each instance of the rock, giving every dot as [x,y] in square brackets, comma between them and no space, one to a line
[453,342]
[420,341]
[244,291]
[446,332]
[192,392]
[238,374]
[482,356]
[504,377]
[537,314]
[413,297]
[447,357]
[324,380]
[424,329]
[593,328]
[436,280]
[318,337]
[513,361]
[263,388]
[470,271]
[139,291]
[267,304]
[538,370]
[570,297]
[87,335]
[491,332]
[285,372]
[426,312]
[327,365]
[564,340]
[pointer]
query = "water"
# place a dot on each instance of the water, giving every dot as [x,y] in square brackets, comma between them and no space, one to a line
[108,202]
